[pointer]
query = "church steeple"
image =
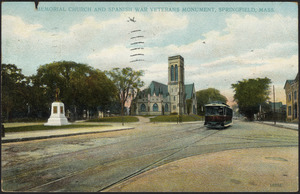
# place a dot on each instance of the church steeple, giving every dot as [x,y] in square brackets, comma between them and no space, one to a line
[176,83]
[176,69]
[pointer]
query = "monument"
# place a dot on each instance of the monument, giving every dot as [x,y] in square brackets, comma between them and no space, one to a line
[57,117]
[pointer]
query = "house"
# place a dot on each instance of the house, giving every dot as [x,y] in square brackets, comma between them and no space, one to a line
[291,88]
[174,98]
[278,106]
[272,111]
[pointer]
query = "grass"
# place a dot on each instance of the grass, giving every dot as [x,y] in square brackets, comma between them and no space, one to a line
[173,118]
[42,127]
[126,119]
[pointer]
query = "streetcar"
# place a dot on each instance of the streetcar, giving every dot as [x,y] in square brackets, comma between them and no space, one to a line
[217,115]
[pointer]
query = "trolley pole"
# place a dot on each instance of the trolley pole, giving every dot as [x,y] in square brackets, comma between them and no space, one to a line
[274,117]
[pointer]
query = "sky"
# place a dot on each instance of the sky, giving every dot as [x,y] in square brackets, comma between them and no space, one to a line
[221,42]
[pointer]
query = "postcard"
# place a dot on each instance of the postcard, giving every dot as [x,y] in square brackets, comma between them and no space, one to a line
[149,96]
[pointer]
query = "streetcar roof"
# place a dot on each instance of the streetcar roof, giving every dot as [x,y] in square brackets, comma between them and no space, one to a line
[217,104]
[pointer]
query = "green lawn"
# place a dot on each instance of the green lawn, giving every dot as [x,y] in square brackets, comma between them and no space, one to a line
[126,119]
[174,118]
[42,127]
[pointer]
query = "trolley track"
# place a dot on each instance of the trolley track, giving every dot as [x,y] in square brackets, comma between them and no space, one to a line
[33,170]
[161,161]
[155,164]
[161,154]
[168,153]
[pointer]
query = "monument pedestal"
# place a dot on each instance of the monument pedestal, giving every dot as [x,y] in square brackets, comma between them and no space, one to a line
[57,117]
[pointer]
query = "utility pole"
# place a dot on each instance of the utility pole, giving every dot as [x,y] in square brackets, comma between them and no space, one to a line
[274,105]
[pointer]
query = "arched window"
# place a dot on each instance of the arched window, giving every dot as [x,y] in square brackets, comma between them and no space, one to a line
[166,108]
[172,73]
[176,73]
[143,108]
[155,107]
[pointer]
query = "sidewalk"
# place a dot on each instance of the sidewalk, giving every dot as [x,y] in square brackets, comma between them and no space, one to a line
[241,170]
[32,135]
[281,124]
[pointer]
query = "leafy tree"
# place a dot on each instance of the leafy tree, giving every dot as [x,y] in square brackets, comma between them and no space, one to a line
[251,93]
[206,96]
[14,91]
[81,86]
[38,103]
[127,82]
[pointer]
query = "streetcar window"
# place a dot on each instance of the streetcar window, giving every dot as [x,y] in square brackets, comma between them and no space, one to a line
[220,110]
[214,110]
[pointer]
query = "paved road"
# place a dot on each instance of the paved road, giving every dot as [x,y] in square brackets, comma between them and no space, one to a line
[98,161]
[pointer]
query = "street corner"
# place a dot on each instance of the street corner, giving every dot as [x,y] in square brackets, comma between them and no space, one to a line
[241,170]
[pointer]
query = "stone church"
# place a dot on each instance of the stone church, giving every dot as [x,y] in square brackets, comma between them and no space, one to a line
[176,97]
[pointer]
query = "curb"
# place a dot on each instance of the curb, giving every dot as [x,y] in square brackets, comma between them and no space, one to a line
[278,125]
[187,122]
[54,136]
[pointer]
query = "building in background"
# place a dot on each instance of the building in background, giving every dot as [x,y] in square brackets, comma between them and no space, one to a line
[174,98]
[267,112]
[292,106]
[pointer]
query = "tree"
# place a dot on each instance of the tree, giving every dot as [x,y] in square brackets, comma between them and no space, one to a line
[206,96]
[251,93]
[14,91]
[81,86]
[127,82]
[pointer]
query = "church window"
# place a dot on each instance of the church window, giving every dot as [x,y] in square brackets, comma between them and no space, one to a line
[143,108]
[174,107]
[172,73]
[174,98]
[155,107]
[166,108]
[176,73]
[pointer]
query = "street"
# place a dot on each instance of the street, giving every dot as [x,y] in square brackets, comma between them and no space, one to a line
[95,162]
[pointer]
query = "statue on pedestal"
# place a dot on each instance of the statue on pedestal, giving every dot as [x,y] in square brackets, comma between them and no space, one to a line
[57,91]
[57,117]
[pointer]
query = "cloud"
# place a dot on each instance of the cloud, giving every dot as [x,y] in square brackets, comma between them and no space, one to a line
[243,34]
[105,59]
[15,26]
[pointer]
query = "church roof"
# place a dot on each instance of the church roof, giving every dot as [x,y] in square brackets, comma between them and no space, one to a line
[158,88]
[189,91]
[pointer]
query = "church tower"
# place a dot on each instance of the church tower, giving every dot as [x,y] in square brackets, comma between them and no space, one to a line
[176,84]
